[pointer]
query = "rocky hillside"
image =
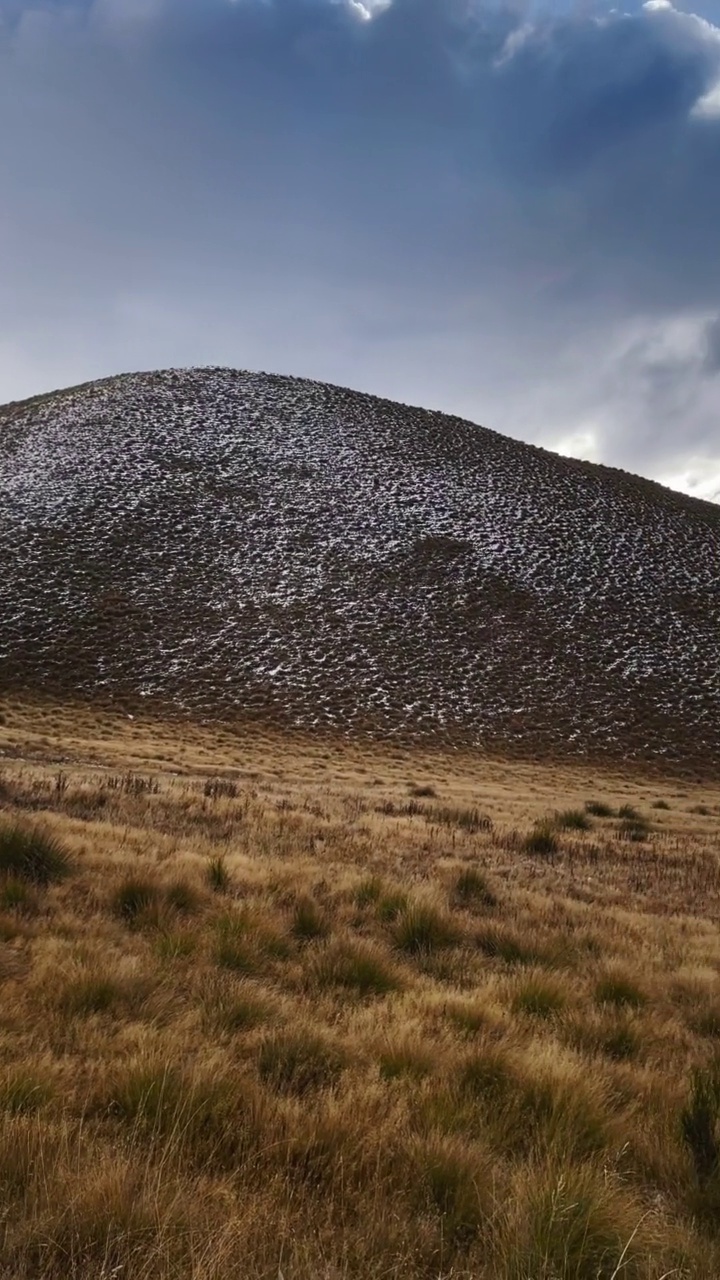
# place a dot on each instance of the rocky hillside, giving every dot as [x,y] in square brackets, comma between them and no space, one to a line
[237,544]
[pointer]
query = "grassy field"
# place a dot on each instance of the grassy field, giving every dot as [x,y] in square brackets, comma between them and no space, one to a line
[281,1008]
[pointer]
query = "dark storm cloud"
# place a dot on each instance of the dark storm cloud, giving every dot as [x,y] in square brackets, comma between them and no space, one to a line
[510,211]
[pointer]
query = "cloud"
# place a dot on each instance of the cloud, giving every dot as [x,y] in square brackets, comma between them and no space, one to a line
[505,210]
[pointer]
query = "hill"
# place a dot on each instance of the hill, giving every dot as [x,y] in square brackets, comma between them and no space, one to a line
[241,545]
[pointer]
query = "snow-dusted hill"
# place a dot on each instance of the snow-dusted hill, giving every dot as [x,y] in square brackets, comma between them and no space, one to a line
[237,543]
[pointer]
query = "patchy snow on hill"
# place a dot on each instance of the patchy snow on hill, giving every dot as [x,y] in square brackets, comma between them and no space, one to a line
[237,544]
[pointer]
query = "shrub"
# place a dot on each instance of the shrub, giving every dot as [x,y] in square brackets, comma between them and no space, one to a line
[134,898]
[217,875]
[423,927]
[357,966]
[472,889]
[599,809]
[541,841]
[660,804]
[616,989]
[298,1062]
[572,820]
[30,854]
[308,920]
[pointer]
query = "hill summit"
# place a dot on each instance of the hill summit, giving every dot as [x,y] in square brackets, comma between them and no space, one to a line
[233,544]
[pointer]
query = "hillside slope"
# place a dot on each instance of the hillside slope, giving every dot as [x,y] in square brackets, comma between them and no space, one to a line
[230,543]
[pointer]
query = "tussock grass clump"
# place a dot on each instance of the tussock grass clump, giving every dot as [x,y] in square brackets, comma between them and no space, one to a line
[369,891]
[235,1008]
[599,809]
[458,1184]
[362,967]
[175,944]
[183,897]
[424,927]
[90,994]
[18,896]
[246,940]
[633,826]
[205,1118]
[614,1037]
[136,897]
[502,942]
[574,1224]
[620,990]
[22,1092]
[537,997]
[471,889]
[541,841]
[391,903]
[298,1062]
[217,875]
[572,820]
[465,818]
[405,1058]
[32,855]
[308,920]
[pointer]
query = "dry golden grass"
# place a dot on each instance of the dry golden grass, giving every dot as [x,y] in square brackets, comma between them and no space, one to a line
[305,1009]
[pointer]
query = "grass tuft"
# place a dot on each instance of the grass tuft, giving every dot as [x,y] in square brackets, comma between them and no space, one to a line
[134,898]
[362,967]
[32,855]
[217,875]
[542,841]
[572,820]
[299,1062]
[599,809]
[619,990]
[471,889]
[424,927]
[308,920]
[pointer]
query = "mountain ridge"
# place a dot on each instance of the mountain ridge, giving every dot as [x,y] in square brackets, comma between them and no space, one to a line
[231,543]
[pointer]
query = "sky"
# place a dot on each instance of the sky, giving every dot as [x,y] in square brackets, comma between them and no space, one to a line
[505,209]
